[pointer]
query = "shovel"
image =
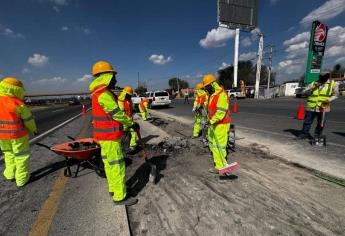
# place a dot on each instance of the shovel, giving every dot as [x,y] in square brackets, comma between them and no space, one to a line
[153,168]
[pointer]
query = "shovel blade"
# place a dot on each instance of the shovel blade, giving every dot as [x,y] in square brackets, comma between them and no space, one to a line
[153,173]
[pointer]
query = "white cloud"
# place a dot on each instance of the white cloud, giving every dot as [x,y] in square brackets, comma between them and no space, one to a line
[26,71]
[336,36]
[255,33]
[328,10]
[64,28]
[38,60]
[301,37]
[297,46]
[217,38]
[224,65]
[246,42]
[10,33]
[335,51]
[56,9]
[159,59]
[55,81]
[85,78]
[247,56]
[341,59]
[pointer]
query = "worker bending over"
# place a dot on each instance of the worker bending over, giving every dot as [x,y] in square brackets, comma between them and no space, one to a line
[126,105]
[16,123]
[218,111]
[199,109]
[143,108]
[108,122]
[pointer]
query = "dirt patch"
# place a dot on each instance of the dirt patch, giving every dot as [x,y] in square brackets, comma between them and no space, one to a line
[263,197]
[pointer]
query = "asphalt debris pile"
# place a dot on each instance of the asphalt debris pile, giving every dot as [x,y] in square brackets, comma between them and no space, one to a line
[81,146]
[174,144]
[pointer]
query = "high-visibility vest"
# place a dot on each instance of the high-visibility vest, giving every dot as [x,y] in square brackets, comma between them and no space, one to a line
[201,100]
[143,104]
[11,125]
[128,108]
[212,109]
[104,126]
[320,95]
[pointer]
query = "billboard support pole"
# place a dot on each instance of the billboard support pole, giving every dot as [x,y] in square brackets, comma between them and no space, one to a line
[237,42]
[269,73]
[258,66]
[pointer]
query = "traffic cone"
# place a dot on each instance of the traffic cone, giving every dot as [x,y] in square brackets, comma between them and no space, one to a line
[235,108]
[300,112]
[83,110]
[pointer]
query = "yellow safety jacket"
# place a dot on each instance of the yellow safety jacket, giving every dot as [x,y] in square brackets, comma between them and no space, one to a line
[320,95]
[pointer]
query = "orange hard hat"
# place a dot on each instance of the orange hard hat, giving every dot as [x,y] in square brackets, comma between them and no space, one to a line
[208,79]
[101,67]
[199,86]
[128,90]
[13,81]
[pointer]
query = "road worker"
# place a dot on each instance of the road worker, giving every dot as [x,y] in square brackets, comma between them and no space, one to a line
[126,105]
[143,108]
[16,123]
[321,94]
[199,109]
[218,111]
[108,123]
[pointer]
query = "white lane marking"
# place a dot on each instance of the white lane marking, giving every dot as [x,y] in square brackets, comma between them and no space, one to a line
[35,139]
[58,110]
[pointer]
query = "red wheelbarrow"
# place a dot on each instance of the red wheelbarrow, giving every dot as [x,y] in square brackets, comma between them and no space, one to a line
[84,150]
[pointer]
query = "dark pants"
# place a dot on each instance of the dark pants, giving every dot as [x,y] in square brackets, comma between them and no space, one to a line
[308,121]
[186,99]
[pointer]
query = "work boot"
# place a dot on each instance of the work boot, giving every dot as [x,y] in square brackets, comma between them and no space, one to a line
[111,194]
[304,136]
[128,201]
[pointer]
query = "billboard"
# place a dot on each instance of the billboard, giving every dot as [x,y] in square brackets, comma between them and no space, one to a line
[317,45]
[241,14]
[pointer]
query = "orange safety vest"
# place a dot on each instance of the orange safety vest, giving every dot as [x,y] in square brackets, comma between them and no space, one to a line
[201,100]
[11,125]
[128,108]
[212,109]
[104,126]
[142,103]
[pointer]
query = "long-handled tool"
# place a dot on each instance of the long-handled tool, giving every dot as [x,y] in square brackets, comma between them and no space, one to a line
[227,167]
[153,168]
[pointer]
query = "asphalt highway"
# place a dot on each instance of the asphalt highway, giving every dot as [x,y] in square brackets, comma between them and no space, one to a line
[51,117]
[275,116]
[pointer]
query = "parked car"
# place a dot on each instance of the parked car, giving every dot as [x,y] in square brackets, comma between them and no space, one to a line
[159,98]
[136,99]
[239,94]
[231,93]
[299,92]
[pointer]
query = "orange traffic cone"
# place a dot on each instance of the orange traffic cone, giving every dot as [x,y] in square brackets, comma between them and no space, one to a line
[235,108]
[83,110]
[300,112]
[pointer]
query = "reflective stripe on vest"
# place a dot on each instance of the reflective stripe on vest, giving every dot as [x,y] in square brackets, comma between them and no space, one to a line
[212,109]
[320,95]
[201,100]
[104,126]
[128,108]
[11,125]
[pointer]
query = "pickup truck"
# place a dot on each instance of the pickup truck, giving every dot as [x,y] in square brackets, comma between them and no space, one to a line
[136,99]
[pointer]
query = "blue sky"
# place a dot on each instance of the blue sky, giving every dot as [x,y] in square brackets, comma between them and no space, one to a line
[52,44]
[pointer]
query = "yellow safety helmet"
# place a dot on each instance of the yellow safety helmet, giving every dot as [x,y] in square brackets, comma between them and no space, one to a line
[199,86]
[208,79]
[128,89]
[13,81]
[101,67]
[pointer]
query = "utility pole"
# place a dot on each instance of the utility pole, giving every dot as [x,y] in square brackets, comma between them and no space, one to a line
[138,79]
[258,65]
[269,73]
[237,41]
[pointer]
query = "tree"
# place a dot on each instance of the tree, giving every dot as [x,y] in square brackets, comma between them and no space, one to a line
[176,84]
[246,72]
[141,90]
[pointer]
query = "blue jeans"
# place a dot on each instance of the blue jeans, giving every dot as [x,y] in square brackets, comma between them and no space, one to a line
[308,121]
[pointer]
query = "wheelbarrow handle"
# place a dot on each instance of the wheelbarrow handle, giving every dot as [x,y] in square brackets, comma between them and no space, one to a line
[142,144]
[43,145]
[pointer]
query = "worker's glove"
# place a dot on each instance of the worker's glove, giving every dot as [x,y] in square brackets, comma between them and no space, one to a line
[135,126]
[193,110]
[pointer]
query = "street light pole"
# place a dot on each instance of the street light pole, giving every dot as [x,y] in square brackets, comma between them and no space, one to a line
[258,66]
[237,42]
[269,73]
